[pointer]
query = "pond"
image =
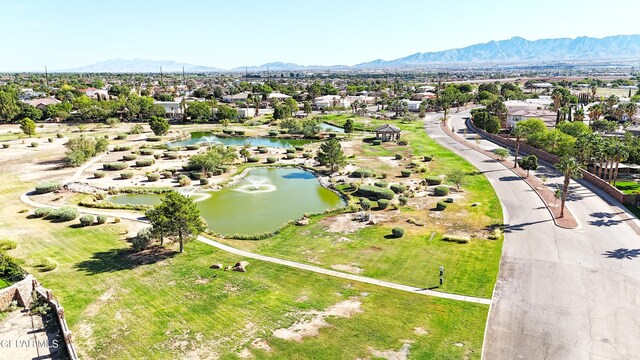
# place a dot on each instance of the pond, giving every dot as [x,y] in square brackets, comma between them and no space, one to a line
[207,137]
[331,128]
[261,202]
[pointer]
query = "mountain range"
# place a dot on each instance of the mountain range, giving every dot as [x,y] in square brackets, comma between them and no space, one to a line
[516,50]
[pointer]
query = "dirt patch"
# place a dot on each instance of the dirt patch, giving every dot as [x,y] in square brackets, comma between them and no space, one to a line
[201,281]
[231,289]
[340,240]
[311,327]
[401,354]
[342,224]
[94,308]
[420,331]
[302,298]
[261,344]
[245,354]
[389,160]
[352,268]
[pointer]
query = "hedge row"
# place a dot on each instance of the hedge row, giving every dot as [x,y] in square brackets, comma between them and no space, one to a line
[375,193]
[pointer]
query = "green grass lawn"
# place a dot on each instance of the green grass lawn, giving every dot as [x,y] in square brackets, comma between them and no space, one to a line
[177,307]
[3,283]
[628,187]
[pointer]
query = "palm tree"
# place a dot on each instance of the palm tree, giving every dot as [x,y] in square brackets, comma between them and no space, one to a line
[594,90]
[579,114]
[518,132]
[570,168]
[622,153]
[595,111]
[256,103]
[610,102]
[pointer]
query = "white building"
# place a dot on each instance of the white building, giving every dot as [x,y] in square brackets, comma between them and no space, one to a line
[172,108]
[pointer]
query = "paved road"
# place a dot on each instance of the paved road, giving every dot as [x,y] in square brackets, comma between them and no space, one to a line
[560,294]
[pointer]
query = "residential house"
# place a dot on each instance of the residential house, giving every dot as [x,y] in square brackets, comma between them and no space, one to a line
[41,103]
[240,97]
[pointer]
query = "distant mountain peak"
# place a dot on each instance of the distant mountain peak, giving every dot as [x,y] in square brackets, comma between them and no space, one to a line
[140,66]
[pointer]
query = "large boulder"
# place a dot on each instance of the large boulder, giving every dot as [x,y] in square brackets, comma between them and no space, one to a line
[216,266]
[240,266]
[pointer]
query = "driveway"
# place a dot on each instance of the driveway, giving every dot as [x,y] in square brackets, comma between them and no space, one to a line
[560,294]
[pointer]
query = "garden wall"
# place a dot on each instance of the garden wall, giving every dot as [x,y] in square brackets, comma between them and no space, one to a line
[20,292]
[550,158]
[47,295]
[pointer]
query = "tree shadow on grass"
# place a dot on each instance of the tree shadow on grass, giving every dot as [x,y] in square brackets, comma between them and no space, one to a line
[123,259]
[622,253]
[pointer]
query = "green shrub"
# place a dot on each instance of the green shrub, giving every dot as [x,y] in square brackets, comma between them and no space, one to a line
[66,213]
[441,191]
[154,138]
[114,166]
[42,212]
[121,148]
[405,173]
[427,158]
[307,155]
[204,181]
[196,175]
[239,132]
[153,177]
[253,159]
[299,148]
[398,188]
[50,140]
[5,146]
[362,173]
[383,204]
[87,220]
[456,238]
[147,152]
[167,174]
[129,157]
[291,156]
[47,264]
[142,240]
[193,147]
[402,200]
[101,219]
[145,162]
[433,180]
[365,204]
[381,184]
[375,193]
[184,182]
[291,150]
[227,131]
[377,142]
[273,132]
[403,142]
[171,155]
[34,144]
[98,174]
[398,156]
[136,152]
[126,175]
[47,187]
[59,135]
[7,245]
[122,136]
[441,205]
[157,156]
[263,150]
[182,176]
[271,159]
[397,232]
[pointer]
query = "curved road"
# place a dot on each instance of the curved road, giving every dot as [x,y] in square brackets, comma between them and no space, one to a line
[561,293]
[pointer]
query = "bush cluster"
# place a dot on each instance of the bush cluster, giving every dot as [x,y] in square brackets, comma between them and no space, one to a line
[114,166]
[86,220]
[441,191]
[405,173]
[101,219]
[121,148]
[441,205]
[47,187]
[253,159]
[153,177]
[147,152]
[381,184]
[375,193]
[98,174]
[377,142]
[271,159]
[362,173]
[126,175]
[398,188]
[129,157]
[433,180]
[383,204]
[397,232]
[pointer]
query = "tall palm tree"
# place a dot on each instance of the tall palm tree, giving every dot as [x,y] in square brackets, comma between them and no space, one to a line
[595,111]
[594,90]
[256,102]
[579,114]
[622,153]
[518,132]
[570,168]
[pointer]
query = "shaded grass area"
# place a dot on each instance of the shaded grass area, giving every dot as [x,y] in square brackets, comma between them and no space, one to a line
[4,283]
[173,306]
[628,187]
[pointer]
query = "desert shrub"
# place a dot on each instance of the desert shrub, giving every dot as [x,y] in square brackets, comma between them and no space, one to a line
[441,191]
[47,187]
[47,264]
[157,156]
[299,148]
[441,205]
[121,148]
[5,146]
[182,176]
[98,174]
[405,173]
[375,193]
[7,245]
[147,152]
[59,135]
[239,132]
[433,180]
[86,220]
[167,174]
[121,136]
[291,150]
[365,204]
[50,140]
[136,152]
[196,175]
[129,157]
[427,158]
[402,200]
[126,175]
[99,196]
[381,184]
[291,156]
[377,142]
[271,159]
[145,162]
[42,212]
[204,181]
[263,150]
[403,142]
[154,138]
[142,240]
[307,155]
[253,159]
[227,131]
[362,173]
[397,232]
[398,156]
[456,238]
[153,177]
[171,155]
[273,132]
[193,147]
[65,213]
[383,204]
[115,166]
[184,182]
[34,144]
[101,219]
[398,188]
[116,220]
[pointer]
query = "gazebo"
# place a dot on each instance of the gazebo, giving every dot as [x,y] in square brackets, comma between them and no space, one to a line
[387,133]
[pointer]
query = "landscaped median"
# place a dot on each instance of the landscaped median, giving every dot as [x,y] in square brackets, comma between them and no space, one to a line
[546,195]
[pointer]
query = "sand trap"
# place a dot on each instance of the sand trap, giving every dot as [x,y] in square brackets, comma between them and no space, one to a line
[311,327]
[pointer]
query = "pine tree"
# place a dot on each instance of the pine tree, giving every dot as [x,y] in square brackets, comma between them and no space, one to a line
[330,155]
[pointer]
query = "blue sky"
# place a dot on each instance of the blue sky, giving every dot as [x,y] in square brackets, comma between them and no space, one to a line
[69,33]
